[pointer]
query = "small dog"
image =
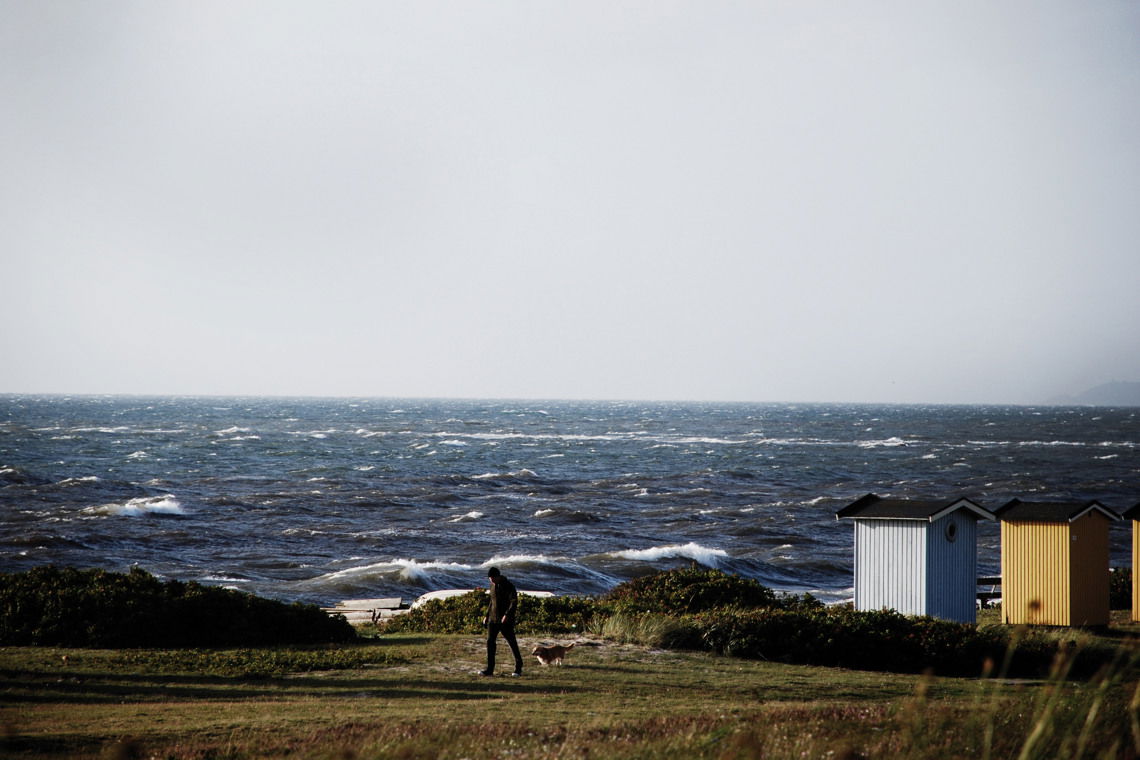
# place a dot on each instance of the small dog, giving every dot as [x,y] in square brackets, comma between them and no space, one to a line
[552,654]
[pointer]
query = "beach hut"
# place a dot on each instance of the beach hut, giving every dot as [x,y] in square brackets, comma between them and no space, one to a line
[1054,562]
[918,557]
[1134,515]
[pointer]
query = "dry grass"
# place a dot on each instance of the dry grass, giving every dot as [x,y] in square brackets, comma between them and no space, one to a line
[419,697]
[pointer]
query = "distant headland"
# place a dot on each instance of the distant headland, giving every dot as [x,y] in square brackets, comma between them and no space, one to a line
[1108,394]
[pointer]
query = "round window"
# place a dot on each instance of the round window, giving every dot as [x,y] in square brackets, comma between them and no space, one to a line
[951,530]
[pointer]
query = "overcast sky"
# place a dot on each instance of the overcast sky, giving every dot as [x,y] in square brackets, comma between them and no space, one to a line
[756,201]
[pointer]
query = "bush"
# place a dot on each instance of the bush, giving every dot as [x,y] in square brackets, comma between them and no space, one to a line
[50,606]
[885,640]
[464,614]
[1120,588]
[456,614]
[695,589]
[709,610]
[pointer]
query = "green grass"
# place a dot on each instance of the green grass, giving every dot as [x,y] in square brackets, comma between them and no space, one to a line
[416,696]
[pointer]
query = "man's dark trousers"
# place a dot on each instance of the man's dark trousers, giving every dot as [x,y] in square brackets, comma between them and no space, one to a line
[508,631]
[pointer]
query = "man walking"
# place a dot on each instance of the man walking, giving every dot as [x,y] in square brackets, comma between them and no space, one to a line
[501,610]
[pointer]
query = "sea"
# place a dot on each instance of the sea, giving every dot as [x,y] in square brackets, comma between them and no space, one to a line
[324,499]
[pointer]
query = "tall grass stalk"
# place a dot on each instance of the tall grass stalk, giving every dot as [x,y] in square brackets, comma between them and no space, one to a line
[1046,705]
[1015,637]
[1105,679]
[646,629]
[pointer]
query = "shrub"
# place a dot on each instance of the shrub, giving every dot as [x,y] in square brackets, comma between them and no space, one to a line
[1120,588]
[464,614]
[456,614]
[95,608]
[885,640]
[695,589]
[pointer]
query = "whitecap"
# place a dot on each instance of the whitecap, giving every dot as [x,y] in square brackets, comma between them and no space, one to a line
[75,481]
[232,430]
[522,559]
[144,505]
[703,439]
[223,579]
[523,473]
[469,517]
[692,550]
[545,512]
[405,569]
[138,455]
[889,442]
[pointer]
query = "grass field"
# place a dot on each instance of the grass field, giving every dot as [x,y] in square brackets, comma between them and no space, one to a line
[418,697]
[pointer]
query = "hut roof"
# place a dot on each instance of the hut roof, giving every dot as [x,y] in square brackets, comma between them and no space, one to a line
[874,507]
[1050,511]
[1132,514]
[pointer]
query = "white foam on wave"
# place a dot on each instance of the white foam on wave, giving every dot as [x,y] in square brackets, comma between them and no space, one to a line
[521,559]
[223,579]
[545,512]
[405,569]
[138,455]
[74,481]
[318,434]
[1049,443]
[523,473]
[886,443]
[692,550]
[139,507]
[232,430]
[469,517]
[703,439]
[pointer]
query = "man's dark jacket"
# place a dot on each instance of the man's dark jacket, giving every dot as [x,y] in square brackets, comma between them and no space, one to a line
[504,601]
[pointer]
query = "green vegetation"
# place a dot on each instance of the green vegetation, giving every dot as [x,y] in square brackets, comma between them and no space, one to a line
[464,614]
[50,606]
[417,697]
[649,678]
[701,609]
[695,589]
[1120,588]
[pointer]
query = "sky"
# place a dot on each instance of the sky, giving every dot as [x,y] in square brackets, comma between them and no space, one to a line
[912,202]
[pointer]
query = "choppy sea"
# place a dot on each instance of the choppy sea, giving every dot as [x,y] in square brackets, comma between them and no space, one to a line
[320,500]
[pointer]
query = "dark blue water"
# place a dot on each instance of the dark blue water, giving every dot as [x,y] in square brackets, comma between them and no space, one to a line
[325,499]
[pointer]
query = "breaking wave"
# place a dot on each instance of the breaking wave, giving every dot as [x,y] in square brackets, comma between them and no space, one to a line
[140,507]
[693,551]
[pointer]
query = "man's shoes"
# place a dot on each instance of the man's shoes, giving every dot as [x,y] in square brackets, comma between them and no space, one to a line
[516,674]
[486,673]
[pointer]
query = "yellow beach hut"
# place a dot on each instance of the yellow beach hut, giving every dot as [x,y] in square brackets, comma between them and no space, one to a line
[1134,515]
[1054,562]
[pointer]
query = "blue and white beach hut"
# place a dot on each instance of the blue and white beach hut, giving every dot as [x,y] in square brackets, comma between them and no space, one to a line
[917,557]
